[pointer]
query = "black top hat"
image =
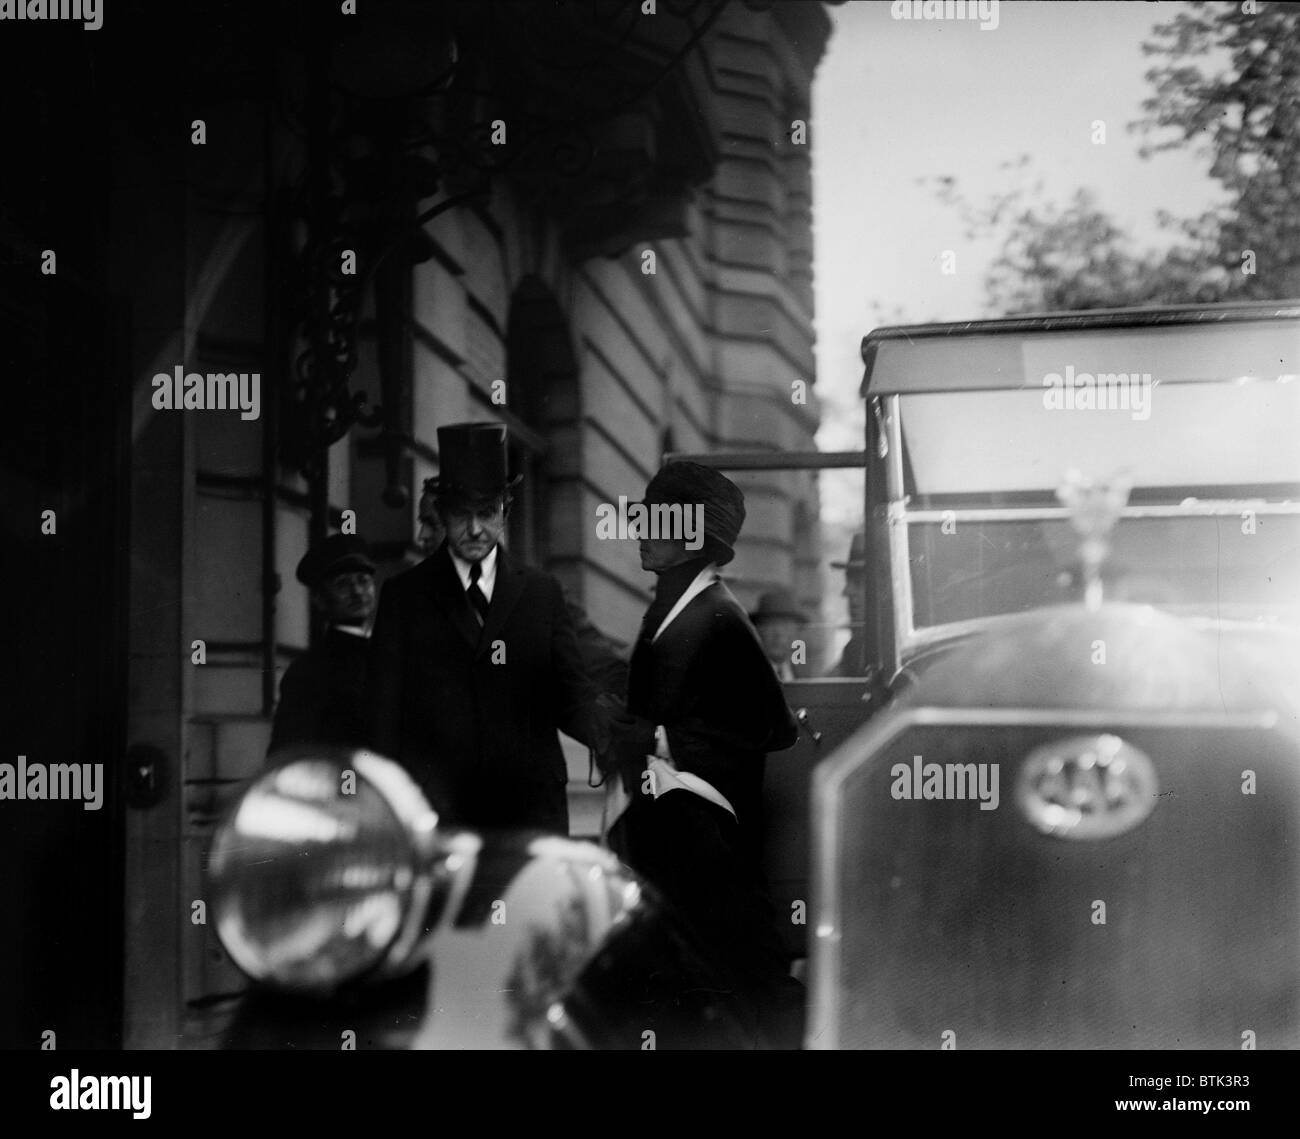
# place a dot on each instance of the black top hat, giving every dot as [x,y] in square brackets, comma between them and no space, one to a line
[778,603]
[472,463]
[857,561]
[336,554]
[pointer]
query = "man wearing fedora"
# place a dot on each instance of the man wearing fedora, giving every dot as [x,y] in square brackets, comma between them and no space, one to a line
[321,693]
[851,662]
[474,661]
[703,709]
[778,620]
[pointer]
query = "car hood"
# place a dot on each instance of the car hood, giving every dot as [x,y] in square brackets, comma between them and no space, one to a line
[1124,657]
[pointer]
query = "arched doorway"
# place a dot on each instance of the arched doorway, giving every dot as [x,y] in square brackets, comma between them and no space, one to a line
[541,394]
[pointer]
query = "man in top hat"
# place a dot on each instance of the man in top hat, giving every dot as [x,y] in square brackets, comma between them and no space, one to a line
[778,620]
[703,708]
[852,660]
[474,661]
[321,693]
[604,659]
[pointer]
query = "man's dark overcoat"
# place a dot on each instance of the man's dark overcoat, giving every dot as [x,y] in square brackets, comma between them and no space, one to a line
[472,711]
[321,695]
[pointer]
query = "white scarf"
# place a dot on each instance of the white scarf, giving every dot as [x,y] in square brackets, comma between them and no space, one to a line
[664,774]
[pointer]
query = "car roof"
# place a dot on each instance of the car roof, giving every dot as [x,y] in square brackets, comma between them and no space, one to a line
[991,353]
[1093,318]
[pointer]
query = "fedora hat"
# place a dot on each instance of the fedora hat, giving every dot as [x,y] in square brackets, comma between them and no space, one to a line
[472,464]
[857,559]
[777,603]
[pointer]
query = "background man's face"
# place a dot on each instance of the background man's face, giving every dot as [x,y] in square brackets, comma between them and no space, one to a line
[430,534]
[472,533]
[348,598]
[853,594]
[778,634]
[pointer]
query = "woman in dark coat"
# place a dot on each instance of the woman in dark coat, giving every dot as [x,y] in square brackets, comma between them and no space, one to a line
[704,708]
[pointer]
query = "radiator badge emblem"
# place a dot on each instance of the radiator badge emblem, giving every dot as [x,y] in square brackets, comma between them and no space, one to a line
[1086,787]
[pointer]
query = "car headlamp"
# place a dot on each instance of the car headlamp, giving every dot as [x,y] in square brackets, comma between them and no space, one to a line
[322,872]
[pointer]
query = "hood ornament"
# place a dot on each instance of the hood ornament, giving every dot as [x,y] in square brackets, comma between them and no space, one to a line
[1095,506]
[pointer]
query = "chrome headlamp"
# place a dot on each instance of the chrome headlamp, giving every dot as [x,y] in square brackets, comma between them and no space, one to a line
[323,872]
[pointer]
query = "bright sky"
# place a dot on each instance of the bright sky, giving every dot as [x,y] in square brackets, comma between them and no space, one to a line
[898,100]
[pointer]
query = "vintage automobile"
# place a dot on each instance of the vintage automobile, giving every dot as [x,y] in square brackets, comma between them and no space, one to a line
[970,442]
[1049,797]
[1136,885]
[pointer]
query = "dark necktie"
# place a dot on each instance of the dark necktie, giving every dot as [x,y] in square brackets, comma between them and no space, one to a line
[475,595]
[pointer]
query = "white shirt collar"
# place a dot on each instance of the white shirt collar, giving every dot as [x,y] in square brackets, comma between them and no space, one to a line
[488,569]
[705,578]
[354,631]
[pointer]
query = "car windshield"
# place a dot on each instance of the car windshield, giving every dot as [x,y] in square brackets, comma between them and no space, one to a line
[1210,529]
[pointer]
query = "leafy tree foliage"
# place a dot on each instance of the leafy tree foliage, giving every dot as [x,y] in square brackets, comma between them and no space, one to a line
[1228,86]
[1244,118]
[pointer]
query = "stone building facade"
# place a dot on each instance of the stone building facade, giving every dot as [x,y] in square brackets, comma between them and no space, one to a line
[633,258]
